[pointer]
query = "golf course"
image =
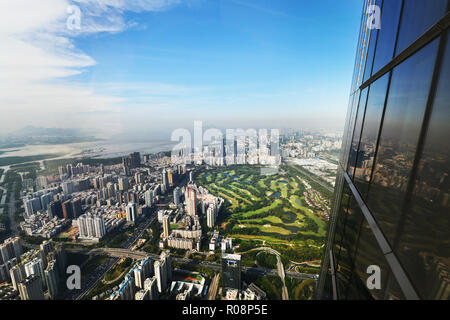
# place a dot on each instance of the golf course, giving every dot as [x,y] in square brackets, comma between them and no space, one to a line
[280,208]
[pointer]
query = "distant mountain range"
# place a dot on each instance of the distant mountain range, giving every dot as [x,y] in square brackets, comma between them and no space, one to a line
[41,135]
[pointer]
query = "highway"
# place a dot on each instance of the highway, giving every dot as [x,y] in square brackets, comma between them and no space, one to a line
[311,176]
[212,292]
[101,270]
[118,253]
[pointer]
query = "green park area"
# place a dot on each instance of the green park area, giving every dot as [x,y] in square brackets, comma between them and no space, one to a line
[278,210]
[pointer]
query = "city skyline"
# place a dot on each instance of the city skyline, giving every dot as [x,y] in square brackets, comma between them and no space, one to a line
[153,66]
[195,151]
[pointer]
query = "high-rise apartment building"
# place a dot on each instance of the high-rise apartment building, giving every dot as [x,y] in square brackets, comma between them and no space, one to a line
[45,200]
[165,179]
[91,226]
[35,267]
[177,196]
[123,184]
[9,249]
[161,276]
[163,271]
[142,271]
[46,247]
[388,235]
[17,274]
[54,209]
[148,197]
[132,161]
[76,208]
[31,288]
[52,279]
[231,271]
[165,256]
[132,212]
[68,187]
[170,177]
[67,209]
[31,205]
[211,216]
[139,178]
[191,200]
[150,285]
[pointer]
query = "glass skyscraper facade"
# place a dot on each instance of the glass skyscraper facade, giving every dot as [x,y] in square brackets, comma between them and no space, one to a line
[391,205]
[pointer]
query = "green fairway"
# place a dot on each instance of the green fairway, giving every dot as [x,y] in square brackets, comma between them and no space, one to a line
[267,207]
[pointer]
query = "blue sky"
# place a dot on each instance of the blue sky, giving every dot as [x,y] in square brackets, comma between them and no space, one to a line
[230,63]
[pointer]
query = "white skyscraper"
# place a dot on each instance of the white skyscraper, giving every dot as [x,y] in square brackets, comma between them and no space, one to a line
[165,179]
[99,226]
[211,217]
[35,267]
[167,258]
[163,271]
[91,226]
[132,212]
[142,271]
[123,184]
[161,276]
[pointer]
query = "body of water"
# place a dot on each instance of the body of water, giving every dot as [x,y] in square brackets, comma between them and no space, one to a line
[275,195]
[95,149]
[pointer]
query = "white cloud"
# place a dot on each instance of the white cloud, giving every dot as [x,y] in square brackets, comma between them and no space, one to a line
[37,52]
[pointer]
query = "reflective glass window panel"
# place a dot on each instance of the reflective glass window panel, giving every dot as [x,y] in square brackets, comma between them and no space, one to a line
[405,108]
[342,214]
[369,135]
[417,17]
[393,291]
[341,219]
[349,242]
[371,51]
[424,246]
[369,254]
[390,14]
[357,133]
[328,287]
[348,128]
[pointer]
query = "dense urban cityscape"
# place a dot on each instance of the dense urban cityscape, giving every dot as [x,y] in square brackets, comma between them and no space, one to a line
[213,158]
[141,227]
